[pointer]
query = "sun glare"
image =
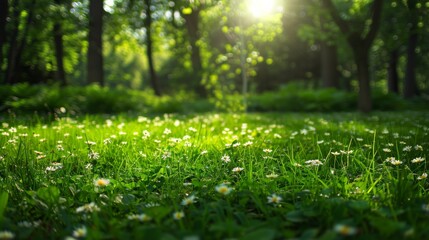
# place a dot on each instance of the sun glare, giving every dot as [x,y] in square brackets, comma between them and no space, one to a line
[261,8]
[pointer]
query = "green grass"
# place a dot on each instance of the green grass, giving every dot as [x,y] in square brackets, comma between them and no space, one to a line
[147,166]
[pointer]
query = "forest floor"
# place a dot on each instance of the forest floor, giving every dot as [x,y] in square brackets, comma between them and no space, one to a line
[216,176]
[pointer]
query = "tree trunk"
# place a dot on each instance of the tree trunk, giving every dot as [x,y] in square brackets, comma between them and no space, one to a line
[329,73]
[361,55]
[392,72]
[149,49]
[95,47]
[191,22]
[4,10]
[13,43]
[59,51]
[410,84]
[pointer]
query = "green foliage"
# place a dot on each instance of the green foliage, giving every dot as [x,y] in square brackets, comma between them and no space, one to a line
[296,97]
[94,99]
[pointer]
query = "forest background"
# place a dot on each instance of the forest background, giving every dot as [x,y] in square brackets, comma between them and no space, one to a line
[160,55]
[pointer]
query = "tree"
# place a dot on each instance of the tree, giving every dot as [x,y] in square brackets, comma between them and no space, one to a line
[59,49]
[360,40]
[149,47]
[16,45]
[392,72]
[95,47]
[191,23]
[4,10]
[410,83]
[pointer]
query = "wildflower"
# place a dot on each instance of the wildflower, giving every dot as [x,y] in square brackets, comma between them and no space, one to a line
[88,208]
[335,153]
[107,141]
[88,166]
[226,158]
[396,162]
[91,143]
[186,137]
[272,175]
[387,150]
[178,215]
[223,189]
[167,131]
[297,164]
[359,139]
[407,149]
[188,200]
[237,169]
[166,155]
[418,160]
[28,224]
[146,134]
[140,217]
[320,142]
[54,167]
[204,152]
[236,144]
[267,150]
[418,147]
[423,176]
[315,162]
[274,198]
[7,235]
[192,129]
[101,182]
[248,143]
[345,230]
[93,155]
[346,152]
[80,232]
[187,184]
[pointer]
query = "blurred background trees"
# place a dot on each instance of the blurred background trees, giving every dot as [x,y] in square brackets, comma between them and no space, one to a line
[219,48]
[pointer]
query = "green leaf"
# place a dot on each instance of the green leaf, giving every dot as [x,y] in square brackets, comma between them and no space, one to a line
[187,11]
[359,205]
[158,212]
[260,234]
[49,195]
[295,216]
[3,203]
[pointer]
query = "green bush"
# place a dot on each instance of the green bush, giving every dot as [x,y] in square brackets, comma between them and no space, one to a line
[94,99]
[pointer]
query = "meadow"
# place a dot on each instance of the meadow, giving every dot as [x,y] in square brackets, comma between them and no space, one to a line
[215,176]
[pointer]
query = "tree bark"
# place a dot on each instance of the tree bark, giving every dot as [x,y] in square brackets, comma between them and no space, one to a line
[361,56]
[191,22]
[410,84]
[361,45]
[392,72]
[149,49]
[13,43]
[4,10]
[329,73]
[59,51]
[95,46]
